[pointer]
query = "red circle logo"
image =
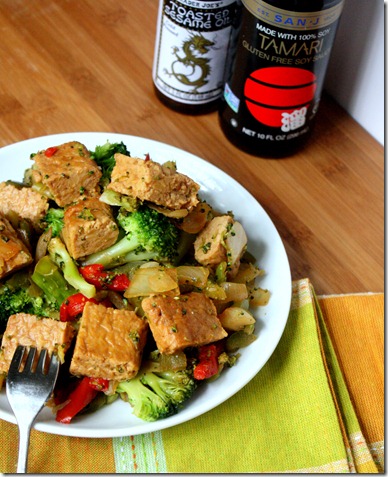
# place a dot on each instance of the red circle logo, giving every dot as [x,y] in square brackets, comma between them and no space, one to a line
[273,93]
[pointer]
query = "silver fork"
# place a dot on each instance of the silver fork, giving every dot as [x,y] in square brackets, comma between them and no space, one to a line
[27,391]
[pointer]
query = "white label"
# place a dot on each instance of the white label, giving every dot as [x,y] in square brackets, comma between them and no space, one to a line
[191,49]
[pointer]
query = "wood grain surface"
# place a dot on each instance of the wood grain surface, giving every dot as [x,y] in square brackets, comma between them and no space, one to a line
[85,65]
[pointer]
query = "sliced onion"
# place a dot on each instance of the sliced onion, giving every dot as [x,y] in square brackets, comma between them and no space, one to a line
[41,246]
[196,220]
[194,276]
[236,242]
[173,214]
[153,280]
[235,291]
[247,272]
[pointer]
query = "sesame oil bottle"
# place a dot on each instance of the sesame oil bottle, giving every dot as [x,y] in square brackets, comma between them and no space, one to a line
[193,38]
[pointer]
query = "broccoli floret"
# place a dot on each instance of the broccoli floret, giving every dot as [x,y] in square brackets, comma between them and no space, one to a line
[175,387]
[104,157]
[20,295]
[149,235]
[54,219]
[146,404]
[157,395]
[61,257]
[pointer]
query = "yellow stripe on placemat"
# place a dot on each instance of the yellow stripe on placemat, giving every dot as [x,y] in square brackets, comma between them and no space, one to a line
[52,454]
[360,457]
[356,326]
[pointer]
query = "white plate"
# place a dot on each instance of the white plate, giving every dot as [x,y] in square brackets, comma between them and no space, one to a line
[225,194]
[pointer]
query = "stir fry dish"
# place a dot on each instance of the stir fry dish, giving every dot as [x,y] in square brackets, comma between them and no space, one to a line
[115,264]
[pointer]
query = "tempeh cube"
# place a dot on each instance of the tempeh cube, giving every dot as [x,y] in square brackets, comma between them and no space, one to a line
[33,331]
[69,173]
[14,254]
[182,321]
[109,343]
[89,227]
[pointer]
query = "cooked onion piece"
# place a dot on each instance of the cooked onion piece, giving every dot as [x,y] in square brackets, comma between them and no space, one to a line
[236,243]
[191,275]
[247,272]
[196,220]
[153,280]
[173,214]
[259,297]
[236,318]
[41,246]
[235,291]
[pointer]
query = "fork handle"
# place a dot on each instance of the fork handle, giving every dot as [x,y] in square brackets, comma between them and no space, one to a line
[24,440]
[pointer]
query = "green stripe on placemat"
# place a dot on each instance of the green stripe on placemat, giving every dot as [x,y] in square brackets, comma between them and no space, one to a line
[139,454]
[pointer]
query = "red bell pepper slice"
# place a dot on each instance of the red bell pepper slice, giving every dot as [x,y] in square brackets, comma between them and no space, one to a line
[50,151]
[79,398]
[208,361]
[73,306]
[119,283]
[104,280]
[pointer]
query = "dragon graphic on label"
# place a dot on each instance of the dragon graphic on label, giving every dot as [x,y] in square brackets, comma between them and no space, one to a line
[193,68]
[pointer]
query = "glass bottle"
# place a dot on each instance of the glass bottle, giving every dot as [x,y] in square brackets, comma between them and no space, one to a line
[192,42]
[277,72]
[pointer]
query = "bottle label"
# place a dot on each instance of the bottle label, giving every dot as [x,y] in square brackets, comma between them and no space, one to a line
[192,42]
[294,21]
[280,67]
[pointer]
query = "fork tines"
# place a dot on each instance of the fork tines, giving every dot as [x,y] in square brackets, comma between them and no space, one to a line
[34,363]
[30,382]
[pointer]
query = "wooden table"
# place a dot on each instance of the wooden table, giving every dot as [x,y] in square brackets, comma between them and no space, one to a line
[85,65]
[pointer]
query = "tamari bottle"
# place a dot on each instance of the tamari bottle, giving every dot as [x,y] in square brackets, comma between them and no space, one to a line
[272,94]
[192,42]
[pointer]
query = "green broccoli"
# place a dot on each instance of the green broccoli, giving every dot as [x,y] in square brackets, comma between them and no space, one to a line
[149,235]
[54,219]
[175,387]
[146,404]
[19,294]
[104,157]
[61,257]
[157,395]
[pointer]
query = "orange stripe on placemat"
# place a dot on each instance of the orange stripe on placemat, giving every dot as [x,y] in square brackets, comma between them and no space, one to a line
[57,454]
[356,327]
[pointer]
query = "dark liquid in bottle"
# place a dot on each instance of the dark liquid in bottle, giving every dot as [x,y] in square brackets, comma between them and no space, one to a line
[272,93]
